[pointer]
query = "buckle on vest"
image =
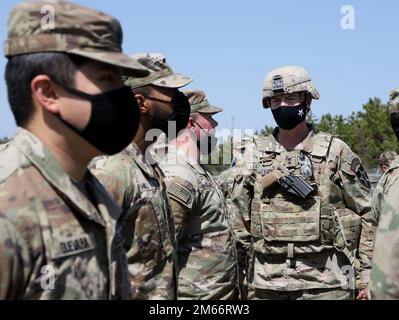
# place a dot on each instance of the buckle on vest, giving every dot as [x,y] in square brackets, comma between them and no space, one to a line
[291,262]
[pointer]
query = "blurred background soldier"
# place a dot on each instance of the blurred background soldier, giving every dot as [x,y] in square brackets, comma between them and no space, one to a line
[206,248]
[301,202]
[384,282]
[136,182]
[59,229]
[386,159]
[226,178]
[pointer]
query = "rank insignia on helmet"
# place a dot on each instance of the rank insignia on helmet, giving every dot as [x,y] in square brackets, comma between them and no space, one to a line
[278,84]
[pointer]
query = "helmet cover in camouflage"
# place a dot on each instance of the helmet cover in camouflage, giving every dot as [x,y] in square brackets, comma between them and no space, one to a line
[76,30]
[161,74]
[199,103]
[285,80]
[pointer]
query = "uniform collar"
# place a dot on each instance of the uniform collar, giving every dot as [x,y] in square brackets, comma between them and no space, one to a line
[37,153]
[306,145]
[145,163]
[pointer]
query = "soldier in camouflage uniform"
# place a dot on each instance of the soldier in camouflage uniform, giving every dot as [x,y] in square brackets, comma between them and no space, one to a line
[206,249]
[135,181]
[59,229]
[384,282]
[226,178]
[304,236]
[385,160]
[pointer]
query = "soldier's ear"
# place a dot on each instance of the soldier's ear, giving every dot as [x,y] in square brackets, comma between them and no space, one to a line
[142,103]
[190,124]
[44,93]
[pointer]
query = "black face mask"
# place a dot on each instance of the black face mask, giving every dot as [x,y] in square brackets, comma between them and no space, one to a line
[113,121]
[288,118]
[179,115]
[394,117]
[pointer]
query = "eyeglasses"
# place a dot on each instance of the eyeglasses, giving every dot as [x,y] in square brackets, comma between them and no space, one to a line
[159,100]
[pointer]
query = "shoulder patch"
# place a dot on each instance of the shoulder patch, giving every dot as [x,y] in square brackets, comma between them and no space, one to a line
[182,191]
[352,165]
[350,162]
[354,162]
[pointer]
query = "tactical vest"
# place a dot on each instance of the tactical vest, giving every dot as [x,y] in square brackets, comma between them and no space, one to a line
[282,223]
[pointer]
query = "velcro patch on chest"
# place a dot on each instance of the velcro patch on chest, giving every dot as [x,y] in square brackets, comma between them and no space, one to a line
[73,245]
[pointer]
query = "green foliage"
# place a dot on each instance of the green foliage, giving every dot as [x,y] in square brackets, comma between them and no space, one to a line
[368,132]
[266,131]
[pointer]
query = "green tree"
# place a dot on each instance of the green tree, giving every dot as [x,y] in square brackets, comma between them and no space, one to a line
[311,117]
[373,133]
[368,132]
[265,131]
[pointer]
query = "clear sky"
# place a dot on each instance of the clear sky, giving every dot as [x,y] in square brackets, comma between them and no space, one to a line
[228,46]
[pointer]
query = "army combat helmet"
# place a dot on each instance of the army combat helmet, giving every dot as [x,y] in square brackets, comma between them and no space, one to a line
[285,80]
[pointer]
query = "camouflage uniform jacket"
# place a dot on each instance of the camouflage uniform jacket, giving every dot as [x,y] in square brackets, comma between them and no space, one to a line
[49,230]
[226,179]
[149,235]
[206,249]
[294,240]
[384,282]
[383,185]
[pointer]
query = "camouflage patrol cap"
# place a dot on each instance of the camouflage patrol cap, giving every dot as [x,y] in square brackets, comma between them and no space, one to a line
[285,80]
[161,74]
[199,103]
[76,30]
